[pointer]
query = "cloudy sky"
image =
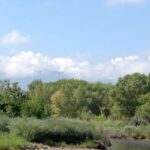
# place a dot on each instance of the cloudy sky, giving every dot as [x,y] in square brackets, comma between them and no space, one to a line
[98,40]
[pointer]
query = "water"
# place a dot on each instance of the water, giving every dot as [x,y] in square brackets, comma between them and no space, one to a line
[129,145]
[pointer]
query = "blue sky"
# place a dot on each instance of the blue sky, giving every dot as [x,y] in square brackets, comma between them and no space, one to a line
[91,40]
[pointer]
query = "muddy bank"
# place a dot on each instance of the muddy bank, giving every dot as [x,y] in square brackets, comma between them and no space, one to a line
[128,138]
[46,147]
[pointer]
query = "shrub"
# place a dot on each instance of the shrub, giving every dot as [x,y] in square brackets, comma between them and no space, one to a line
[137,120]
[25,127]
[9,141]
[129,131]
[57,130]
[89,144]
[134,132]
[4,123]
[144,131]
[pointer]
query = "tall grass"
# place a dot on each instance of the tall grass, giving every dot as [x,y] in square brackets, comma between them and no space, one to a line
[11,141]
[69,131]
[15,131]
[52,130]
[4,123]
[125,129]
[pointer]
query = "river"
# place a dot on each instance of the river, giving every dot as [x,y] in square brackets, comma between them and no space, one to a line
[129,145]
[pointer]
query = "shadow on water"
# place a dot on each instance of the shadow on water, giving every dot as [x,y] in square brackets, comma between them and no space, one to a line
[118,144]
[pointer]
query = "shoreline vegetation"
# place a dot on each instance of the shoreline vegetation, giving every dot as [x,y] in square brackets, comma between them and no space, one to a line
[126,130]
[51,131]
[74,112]
[21,132]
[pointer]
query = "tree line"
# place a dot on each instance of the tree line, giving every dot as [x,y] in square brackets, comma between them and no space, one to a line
[128,97]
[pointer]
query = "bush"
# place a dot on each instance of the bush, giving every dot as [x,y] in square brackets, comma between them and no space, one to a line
[89,144]
[144,111]
[58,130]
[144,131]
[9,141]
[134,132]
[129,131]
[4,123]
[25,127]
[137,120]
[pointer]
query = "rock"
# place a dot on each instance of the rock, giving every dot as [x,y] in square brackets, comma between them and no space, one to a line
[115,137]
[100,145]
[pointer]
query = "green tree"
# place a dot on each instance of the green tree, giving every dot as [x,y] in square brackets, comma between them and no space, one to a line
[143,110]
[11,98]
[127,91]
[62,102]
[38,103]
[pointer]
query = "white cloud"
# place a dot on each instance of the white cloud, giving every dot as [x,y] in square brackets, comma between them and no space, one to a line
[132,58]
[122,66]
[126,59]
[14,38]
[116,60]
[24,64]
[123,2]
[27,64]
[70,67]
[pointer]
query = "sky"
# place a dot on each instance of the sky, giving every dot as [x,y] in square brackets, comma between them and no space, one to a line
[98,40]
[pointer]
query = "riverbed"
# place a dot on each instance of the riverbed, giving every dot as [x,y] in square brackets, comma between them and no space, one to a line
[119,144]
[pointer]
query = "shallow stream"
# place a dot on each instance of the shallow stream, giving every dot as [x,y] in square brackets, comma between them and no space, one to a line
[118,144]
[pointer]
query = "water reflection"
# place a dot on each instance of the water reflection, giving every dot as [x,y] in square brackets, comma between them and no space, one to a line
[129,145]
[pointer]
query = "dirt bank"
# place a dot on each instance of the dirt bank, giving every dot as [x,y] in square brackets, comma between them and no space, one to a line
[45,147]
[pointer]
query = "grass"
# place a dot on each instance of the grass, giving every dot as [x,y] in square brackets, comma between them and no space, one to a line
[62,130]
[52,131]
[11,141]
[14,132]
[125,130]
[4,123]
[89,144]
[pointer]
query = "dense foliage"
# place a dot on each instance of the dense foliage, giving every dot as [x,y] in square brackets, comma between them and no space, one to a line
[8,141]
[129,97]
[51,131]
[51,112]
[48,130]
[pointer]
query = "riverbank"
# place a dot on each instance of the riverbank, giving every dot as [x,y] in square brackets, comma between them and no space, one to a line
[55,132]
[8,141]
[128,138]
[35,146]
[61,132]
[124,130]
